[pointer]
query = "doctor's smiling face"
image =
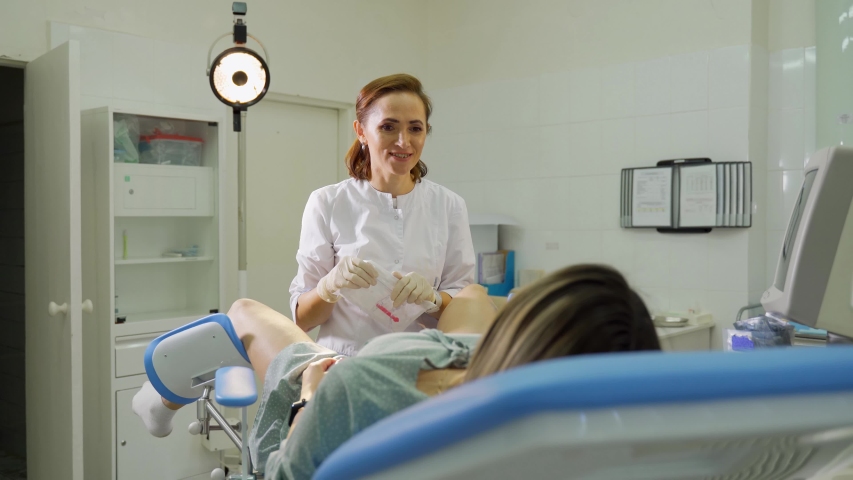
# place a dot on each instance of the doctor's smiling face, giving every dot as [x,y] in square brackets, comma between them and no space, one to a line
[394,131]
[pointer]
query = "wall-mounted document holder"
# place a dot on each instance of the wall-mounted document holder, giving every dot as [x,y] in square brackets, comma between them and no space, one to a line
[484,234]
[496,272]
[691,195]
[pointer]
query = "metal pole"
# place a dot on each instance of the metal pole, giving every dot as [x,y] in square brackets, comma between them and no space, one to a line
[224,423]
[241,206]
[244,432]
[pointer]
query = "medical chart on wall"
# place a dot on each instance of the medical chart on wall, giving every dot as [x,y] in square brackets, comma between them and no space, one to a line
[698,196]
[652,197]
[692,195]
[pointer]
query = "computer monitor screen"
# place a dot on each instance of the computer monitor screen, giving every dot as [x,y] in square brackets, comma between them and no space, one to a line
[791,235]
[813,284]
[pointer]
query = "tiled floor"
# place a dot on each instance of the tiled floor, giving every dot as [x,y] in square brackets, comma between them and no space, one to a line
[12,467]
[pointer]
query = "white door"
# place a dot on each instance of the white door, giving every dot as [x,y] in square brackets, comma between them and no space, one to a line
[54,389]
[291,150]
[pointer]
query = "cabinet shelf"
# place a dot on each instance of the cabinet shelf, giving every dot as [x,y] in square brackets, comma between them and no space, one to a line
[185,315]
[150,260]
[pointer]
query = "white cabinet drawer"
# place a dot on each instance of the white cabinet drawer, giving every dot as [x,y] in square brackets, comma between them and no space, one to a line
[141,456]
[130,353]
[163,190]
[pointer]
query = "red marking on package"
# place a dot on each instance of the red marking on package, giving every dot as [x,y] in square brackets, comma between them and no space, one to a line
[388,312]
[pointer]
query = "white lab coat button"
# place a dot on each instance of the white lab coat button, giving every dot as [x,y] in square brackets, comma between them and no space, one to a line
[396,217]
[396,261]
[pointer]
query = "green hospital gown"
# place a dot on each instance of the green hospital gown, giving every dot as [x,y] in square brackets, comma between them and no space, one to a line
[356,393]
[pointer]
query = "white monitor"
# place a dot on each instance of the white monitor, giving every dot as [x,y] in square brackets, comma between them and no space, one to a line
[814,276]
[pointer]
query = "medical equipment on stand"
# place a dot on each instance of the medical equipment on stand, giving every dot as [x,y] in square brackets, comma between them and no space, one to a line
[813,284]
[239,78]
[814,275]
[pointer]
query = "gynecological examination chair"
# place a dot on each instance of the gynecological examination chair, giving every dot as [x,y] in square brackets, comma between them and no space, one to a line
[774,414]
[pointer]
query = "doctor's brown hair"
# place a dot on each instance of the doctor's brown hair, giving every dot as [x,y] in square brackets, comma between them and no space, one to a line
[358,160]
[574,311]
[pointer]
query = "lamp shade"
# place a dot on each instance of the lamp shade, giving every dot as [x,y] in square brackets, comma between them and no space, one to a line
[239,77]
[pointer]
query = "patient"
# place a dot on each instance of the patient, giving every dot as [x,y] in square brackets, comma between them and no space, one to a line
[577,310]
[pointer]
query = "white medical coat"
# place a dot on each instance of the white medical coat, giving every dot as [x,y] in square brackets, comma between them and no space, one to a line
[427,233]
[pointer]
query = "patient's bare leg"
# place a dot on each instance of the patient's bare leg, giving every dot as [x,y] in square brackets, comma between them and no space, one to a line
[264,332]
[471,311]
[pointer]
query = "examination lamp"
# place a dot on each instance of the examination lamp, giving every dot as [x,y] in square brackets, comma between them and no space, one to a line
[239,77]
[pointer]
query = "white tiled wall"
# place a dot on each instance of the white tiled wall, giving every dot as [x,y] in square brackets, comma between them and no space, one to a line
[127,70]
[548,150]
[790,139]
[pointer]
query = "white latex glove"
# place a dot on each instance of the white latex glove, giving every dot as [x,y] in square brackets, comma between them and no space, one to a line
[350,272]
[412,288]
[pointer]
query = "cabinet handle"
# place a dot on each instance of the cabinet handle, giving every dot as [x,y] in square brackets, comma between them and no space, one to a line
[53,309]
[87,306]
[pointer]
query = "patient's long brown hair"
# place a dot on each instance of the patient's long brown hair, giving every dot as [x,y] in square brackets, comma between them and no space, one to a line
[577,310]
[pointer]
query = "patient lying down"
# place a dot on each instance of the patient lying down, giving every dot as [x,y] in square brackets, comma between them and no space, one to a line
[578,310]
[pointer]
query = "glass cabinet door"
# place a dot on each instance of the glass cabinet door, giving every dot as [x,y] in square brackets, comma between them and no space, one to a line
[165,222]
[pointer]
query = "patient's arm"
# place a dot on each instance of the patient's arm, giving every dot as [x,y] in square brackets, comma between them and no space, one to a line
[354,394]
[310,440]
[311,378]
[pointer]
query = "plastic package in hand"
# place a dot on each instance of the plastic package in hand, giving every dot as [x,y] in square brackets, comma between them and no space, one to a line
[376,302]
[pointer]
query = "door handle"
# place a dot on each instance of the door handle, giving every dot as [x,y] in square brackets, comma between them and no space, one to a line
[87,306]
[53,309]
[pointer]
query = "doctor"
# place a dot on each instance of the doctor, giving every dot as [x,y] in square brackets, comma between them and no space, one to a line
[386,213]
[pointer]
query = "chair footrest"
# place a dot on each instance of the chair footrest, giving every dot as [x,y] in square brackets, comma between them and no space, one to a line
[235,387]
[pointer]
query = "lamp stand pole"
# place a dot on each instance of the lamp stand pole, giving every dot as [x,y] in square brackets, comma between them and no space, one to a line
[241,207]
[246,463]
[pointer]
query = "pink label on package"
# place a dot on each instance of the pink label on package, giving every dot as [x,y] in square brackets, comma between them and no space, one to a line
[387,312]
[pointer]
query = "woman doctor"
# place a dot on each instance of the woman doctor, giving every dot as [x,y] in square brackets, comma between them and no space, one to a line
[386,213]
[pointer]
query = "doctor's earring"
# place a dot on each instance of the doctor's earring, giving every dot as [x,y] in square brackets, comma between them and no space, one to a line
[362,147]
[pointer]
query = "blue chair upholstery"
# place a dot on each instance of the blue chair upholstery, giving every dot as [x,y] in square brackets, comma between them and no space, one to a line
[587,383]
[235,387]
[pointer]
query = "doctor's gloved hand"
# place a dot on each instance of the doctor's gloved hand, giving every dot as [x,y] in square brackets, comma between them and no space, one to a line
[350,272]
[412,288]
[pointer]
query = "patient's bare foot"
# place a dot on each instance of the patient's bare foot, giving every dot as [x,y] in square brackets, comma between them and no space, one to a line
[154,411]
